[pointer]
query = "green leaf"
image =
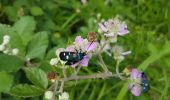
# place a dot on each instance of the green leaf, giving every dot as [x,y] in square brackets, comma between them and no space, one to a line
[11,12]
[4,29]
[25,90]
[5,82]
[10,63]
[46,67]
[123,91]
[25,27]
[37,77]
[36,11]
[16,42]
[37,46]
[15,39]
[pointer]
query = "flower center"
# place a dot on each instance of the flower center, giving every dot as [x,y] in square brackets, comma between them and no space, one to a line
[136,81]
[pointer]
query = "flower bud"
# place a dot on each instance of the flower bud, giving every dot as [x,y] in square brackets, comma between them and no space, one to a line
[48,95]
[127,70]
[92,37]
[64,96]
[53,61]
[2,47]
[52,76]
[6,51]
[15,51]
[6,39]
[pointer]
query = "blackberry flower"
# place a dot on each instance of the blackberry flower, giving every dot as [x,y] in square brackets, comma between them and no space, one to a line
[136,80]
[113,28]
[82,45]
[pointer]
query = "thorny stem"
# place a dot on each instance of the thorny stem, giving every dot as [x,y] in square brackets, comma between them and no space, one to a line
[103,63]
[64,72]
[62,82]
[55,89]
[61,86]
[103,75]
[92,76]
[117,71]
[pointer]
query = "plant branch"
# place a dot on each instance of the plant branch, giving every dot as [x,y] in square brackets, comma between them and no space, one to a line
[61,86]
[103,65]
[117,71]
[92,76]
[64,72]
[55,89]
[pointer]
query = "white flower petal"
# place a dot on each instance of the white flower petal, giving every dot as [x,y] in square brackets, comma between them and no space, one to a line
[48,95]
[64,96]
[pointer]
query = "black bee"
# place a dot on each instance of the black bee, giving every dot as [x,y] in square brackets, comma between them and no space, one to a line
[145,83]
[71,57]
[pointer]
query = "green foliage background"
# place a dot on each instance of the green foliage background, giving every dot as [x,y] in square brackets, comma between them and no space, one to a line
[38,27]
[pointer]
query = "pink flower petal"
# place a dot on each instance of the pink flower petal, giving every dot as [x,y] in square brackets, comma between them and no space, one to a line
[135,74]
[123,30]
[102,27]
[130,86]
[74,65]
[84,61]
[136,90]
[91,46]
[78,39]
[70,48]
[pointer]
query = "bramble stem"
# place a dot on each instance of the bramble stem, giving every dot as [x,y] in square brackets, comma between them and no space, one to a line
[55,89]
[92,76]
[103,65]
[117,71]
[62,82]
[61,87]
[64,72]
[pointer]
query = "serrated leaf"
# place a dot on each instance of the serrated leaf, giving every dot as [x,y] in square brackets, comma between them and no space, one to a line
[10,63]
[16,42]
[25,90]
[25,27]
[5,82]
[4,29]
[37,46]
[45,66]
[15,39]
[37,76]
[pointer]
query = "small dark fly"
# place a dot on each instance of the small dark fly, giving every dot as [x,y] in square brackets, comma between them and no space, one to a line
[145,83]
[73,57]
